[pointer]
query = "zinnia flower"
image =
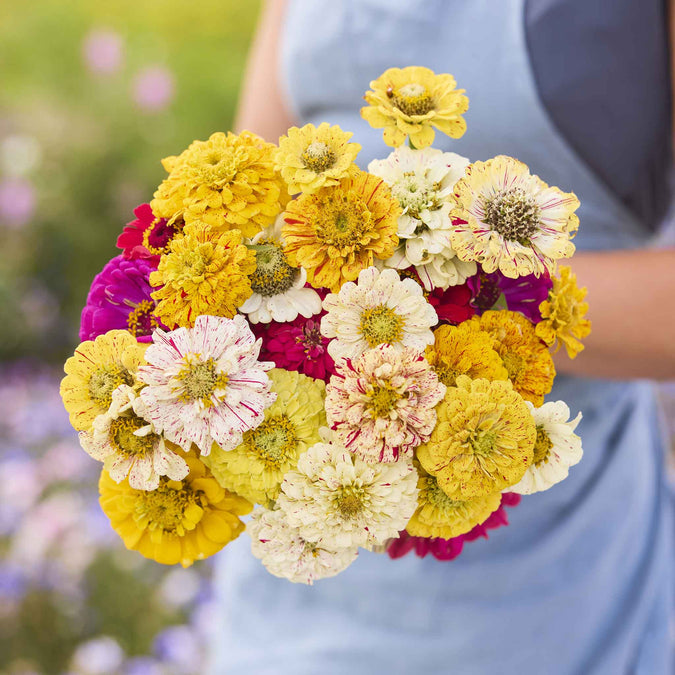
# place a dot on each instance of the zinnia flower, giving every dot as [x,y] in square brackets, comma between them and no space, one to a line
[180,521]
[410,102]
[452,305]
[510,220]
[563,314]
[336,499]
[120,298]
[381,405]
[286,554]
[228,182]
[95,370]
[556,449]
[205,272]
[129,445]
[483,441]
[147,237]
[379,309]
[256,468]
[314,157]
[205,384]
[340,230]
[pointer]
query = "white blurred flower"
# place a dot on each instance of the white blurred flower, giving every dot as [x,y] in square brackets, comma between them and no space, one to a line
[19,155]
[100,656]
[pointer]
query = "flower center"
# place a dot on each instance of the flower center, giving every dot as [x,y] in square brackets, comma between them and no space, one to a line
[416,193]
[313,343]
[156,238]
[350,501]
[431,493]
[105,380]
[383,401]
[380,325]
[318,157]
[124,439]
[446,374]
[413,99]
[141,320]
[514,364]
[483,443]
[215,167]
[273,274]
[513,214]
[274,442]
[542,447]
[342,220]
[488,292]
[190,263]
[165,507]
[199,380]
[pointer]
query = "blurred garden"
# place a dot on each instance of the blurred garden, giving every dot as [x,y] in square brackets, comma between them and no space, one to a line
[92,96]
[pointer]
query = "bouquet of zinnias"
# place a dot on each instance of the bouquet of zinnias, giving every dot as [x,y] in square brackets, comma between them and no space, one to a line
[364,355]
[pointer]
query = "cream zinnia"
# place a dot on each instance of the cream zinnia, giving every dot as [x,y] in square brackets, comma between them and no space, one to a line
[205,384]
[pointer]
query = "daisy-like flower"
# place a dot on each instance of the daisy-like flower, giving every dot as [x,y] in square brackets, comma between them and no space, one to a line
[95,370]
[205,384]
[379,309]
[147,237]
[510,220]
[483,441]
[410,102]
[422,181]
[279,292]
[179,522]
[556,449]
[205,272]
[228,182]
[312,157]
[563,314]
[381,405]
[340,230]
[286,554]
[129,446]
[336,499]
[256,468]
[526,358]
[464,350]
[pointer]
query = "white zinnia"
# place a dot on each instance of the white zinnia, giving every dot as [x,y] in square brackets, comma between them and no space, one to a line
[558,445]
[279,292]
[129,445]
[205,384]
[285,553]
[379,309]
[422,181]
[337,500]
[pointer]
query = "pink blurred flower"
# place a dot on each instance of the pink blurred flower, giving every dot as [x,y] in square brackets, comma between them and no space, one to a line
[17,201]
[153,88]
[102,51]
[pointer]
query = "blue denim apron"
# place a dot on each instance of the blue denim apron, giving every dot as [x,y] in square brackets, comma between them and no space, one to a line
[580,583]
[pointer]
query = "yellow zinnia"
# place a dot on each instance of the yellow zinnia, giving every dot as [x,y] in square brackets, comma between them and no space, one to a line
[256,468]
[96,369]
[205,272]
[313,157]
[179,522]
[228,182]
[564,314]
[526,358]
[464,350]
[410,102]
[439,516]
[340,230]
[483,441]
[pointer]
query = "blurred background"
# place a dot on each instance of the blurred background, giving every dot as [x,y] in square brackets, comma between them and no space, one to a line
[92,96]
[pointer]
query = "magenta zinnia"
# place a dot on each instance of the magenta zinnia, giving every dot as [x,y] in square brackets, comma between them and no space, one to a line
[147,236]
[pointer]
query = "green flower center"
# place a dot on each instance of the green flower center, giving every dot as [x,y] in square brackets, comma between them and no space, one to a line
[350,501]
[382,401]
[484,443]
[164,508]
[381,325]
[513,214]
[318,157]
[105,380]
[413,99]
[275,441]
[431,493]
[123,438]
[273,274]
[416,193]
[542,447]
[198,380]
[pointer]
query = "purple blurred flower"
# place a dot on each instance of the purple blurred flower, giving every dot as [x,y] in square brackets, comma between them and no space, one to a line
[179,646]
[102,51]
[153,88]
[17,201]
[143,665]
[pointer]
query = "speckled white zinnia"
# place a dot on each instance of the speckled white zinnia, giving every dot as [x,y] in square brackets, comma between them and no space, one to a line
[382,404]
[285,553]
[337,500]
[205,384]
[129,445]
[379,309]
[422,181]
[554,428]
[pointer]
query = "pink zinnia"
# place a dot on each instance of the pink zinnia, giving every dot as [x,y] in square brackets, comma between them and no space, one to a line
[146,237]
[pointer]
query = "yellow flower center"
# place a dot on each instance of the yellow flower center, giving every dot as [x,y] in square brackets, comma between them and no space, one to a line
[350,501]
[542,447]
[514,364]
[273,274]
[186,264]
[483,443]
[274,442]
[141,321]
[514,214]
[416,193]
[214,167]
[413,99]
[165,507]
[198,380]
[383,401]
[126,442]
[342,220]
[381,325]
[446,374]
[318,157]
[105,380]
